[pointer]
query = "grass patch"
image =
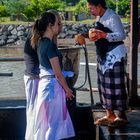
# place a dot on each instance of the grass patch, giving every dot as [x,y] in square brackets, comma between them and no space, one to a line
[81,21]
[6,20]
[125,20]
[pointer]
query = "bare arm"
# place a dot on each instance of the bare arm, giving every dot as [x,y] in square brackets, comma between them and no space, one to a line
[59,76]
[55,39]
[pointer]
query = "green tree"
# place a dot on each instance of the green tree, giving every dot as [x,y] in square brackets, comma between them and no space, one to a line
[3,11]
[18,6]
[124,7]
[29,12]
[36,7]
[111,4]
[51,4]
[14,6]
[31,8]
[81,7]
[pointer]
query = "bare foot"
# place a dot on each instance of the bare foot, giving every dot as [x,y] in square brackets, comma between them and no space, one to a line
[103,121]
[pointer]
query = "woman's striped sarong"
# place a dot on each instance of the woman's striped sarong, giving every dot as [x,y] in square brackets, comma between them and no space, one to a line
[112,86]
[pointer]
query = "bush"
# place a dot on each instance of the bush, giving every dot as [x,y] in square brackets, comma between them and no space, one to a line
[3,11]
[16,17]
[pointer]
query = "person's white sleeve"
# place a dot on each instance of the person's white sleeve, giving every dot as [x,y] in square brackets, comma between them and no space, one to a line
[116,26]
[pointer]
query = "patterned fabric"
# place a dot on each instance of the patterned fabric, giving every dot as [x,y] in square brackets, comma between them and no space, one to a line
[112,88]
[112,57]
[31,88]
[112,21]
[52,119]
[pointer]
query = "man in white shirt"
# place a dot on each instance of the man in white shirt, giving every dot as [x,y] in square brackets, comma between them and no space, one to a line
[108,36]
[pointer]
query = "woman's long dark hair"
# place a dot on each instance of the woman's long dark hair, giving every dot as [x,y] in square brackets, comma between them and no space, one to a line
[40,27]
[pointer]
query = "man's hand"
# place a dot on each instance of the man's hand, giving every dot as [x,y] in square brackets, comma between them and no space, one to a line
[95,34]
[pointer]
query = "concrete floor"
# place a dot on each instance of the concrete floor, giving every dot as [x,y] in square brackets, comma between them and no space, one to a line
[131,131]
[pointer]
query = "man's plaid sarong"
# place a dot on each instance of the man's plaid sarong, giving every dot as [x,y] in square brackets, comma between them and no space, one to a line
[112,86]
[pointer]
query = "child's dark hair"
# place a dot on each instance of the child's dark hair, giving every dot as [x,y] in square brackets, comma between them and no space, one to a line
[97,2]
[40,26]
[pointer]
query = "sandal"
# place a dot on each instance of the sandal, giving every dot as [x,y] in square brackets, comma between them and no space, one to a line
[103,121]
[118,122]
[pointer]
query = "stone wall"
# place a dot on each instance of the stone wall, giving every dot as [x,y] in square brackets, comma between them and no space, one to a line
[16,34]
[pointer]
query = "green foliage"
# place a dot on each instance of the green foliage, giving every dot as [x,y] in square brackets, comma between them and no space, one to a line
[111,4]
[34,8]
[37,7]
[50,4]
[14,6]
[81,7]
[29,13]
[124,7]
[3,11]
[31,8]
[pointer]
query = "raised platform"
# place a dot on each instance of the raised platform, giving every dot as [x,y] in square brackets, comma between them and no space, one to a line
[13,123]
[129,132]
[12,119]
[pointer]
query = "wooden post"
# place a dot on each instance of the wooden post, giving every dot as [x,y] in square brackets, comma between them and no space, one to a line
[134,41]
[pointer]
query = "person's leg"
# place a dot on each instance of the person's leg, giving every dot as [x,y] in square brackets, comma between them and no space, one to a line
[121,112]
[120,120]
[120,93]
[105,101]
[110,114]
[31,89]
[122,115]
[107,119]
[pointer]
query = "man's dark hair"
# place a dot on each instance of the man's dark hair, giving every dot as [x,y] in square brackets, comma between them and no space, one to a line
[97,2]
